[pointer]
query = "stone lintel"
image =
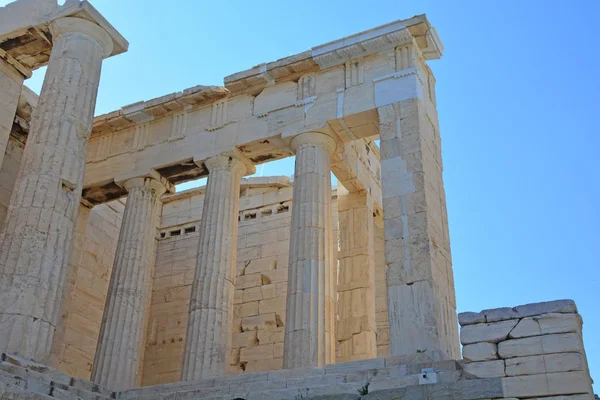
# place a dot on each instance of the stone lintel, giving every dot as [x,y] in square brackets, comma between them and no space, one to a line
[246,183]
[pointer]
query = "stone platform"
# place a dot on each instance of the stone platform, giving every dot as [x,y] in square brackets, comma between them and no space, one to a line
[388,378]
[532,351]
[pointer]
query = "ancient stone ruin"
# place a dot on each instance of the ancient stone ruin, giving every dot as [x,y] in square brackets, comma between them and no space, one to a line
[113,285]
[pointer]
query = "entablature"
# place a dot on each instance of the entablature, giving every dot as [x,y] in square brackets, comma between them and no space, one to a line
[334,89]
[25,37]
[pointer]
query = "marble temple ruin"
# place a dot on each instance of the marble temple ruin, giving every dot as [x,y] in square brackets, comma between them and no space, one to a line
[114,285]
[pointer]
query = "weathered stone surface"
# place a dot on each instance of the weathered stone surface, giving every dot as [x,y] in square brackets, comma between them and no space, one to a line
[500,314]
[547,324]
[486,369]
[356,329]
[542,364]
[24,368]
[35,242]
[448,365]
[547,384]
[494,332]
[470,318]
[414,255]
[120,343]
[412,393]
[489,388]
[572,397]
[556,306]
[309,326]
[560,343]
[526,310]
[11,83]
[17,394]
[211,303]
[343,396]
[481,351]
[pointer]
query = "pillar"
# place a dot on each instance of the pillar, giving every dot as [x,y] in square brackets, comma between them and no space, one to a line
[420,283]
[35,242]
[356,328]
[208,339]
[309,336]
[11,83]
[116,364]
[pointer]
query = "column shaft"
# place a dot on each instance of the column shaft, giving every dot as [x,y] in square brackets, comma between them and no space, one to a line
[35,242]
[309,337]
[208,339]
[116,364]
[356,329]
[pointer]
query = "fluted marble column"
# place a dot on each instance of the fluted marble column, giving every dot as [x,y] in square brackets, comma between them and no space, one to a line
[35,242]
[208,339]
[116,364]
[309,336]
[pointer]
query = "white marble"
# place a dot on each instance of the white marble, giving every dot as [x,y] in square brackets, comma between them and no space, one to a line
[309,336]
[120,344]
[208,339]
[35,242]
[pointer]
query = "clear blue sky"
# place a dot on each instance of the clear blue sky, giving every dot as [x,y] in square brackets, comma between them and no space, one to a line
[517,92]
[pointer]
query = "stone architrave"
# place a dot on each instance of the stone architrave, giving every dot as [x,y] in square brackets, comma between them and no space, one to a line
[356,328]
[310,313]
[35,243]
[208,339]
[120,344]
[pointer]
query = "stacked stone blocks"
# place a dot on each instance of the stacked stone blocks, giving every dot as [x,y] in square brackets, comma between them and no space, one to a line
[537,349]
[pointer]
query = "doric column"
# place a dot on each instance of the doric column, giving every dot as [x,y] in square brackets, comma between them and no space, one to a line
[309,336]
[208,339]
[356,329]
[35,242]
[116,364]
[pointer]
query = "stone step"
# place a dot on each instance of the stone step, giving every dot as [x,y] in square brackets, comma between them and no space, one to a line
[357,372]
[37,378]
[16,393]
[51,374]
[301,387]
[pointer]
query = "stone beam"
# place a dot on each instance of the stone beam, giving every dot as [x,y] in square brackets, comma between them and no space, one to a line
[259,111]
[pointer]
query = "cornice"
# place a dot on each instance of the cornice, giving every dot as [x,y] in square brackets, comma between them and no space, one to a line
[145,111]
[362,44]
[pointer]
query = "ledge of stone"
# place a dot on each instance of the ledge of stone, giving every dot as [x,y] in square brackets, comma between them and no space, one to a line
[522,311]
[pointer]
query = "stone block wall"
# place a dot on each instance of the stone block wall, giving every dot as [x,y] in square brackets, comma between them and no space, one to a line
[89,286]
[536,349]
[381,308]
[261,282]
[8,172]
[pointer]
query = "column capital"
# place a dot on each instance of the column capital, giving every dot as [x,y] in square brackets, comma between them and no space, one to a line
[78,25]
[149,178]
[231,162]
[313,139]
